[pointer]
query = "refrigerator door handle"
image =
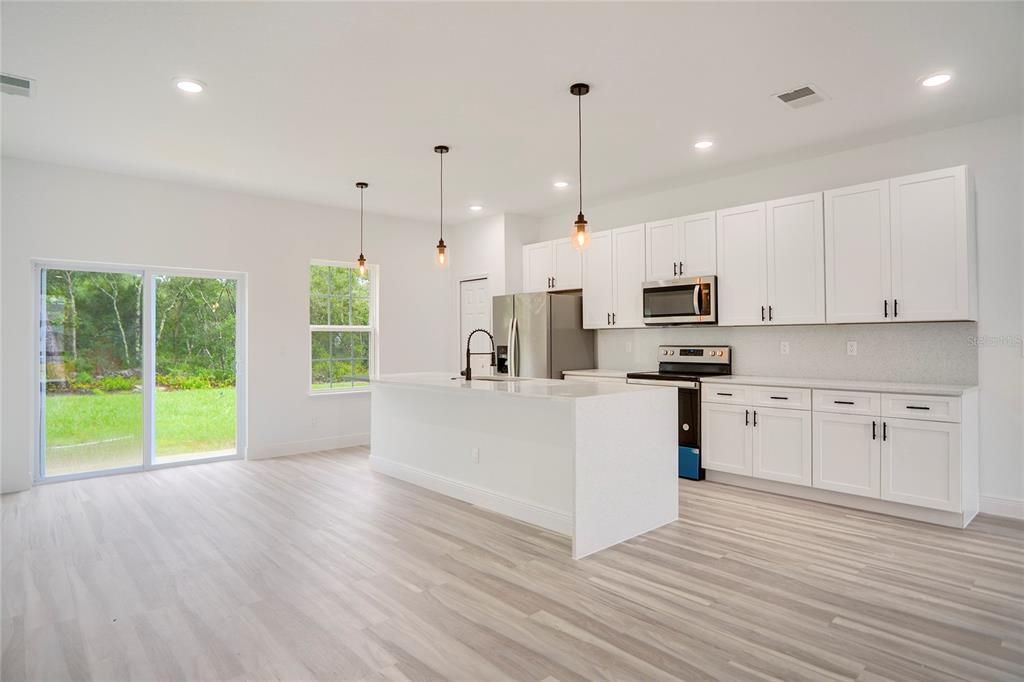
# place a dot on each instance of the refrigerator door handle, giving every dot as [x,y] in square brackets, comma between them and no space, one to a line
[513,349]
[508,348]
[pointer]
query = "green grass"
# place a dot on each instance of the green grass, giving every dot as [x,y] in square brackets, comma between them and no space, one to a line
[88,432]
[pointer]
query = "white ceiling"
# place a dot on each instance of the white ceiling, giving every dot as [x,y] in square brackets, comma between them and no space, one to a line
[304,99]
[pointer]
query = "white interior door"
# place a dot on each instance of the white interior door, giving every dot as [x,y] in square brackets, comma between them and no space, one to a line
[741,265]
[847,453]
[475,313]
[598,301]
[796,260]
[698,253]
[662,251]
[628,269]
[929,246]
[782,445]
[858,278]
[568,265]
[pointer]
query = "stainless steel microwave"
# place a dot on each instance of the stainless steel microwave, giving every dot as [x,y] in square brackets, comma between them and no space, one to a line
[691,300]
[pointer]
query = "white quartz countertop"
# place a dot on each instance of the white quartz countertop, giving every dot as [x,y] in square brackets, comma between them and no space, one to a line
[842,385]
[604,373]
[527,388]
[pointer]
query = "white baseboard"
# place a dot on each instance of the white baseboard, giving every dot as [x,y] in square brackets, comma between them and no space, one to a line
[300,447]
[1002,506]
[538,515]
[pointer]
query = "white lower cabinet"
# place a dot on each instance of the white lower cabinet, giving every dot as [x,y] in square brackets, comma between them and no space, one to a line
[726,438]
[921,463]
[782,445]
[847,453]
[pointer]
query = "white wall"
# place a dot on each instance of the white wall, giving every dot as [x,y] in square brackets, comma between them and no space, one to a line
[992,150]
[66,213]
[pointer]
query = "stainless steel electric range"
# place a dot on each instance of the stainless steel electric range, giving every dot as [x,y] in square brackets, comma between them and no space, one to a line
[683,367]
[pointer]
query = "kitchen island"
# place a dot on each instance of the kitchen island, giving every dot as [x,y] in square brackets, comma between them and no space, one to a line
[596,462]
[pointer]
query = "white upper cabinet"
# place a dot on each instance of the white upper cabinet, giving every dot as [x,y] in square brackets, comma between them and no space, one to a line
[857,257]
[741,265]
[681,247]
[931,249]
[901,250]
[613,277]
[628,269]
[552,266]
[796,260]
[598,300]
[662,250]
[538,260]
[568,265]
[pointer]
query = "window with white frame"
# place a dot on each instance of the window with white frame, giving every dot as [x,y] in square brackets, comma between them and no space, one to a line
[342,326]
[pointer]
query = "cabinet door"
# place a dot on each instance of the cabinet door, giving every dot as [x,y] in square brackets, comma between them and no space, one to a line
[782,445]
[921,463]
[858,278]
[628,279]
[741,265]
[796,260]
[568,265]
[537,266]
[930,246]
[662,251]
[697,250]
[597,282]
[725,438]
[847,453]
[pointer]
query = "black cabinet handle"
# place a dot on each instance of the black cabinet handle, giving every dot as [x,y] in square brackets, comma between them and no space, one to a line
[874,430]
[885,431]
[728,394]
[885,309]
[895,308]
[613,318]
[609,318]
[680,268]
[755,417]
[778,397]
[917,407]
[769,313]
[675,268]
[762,313]
[746,417]
[844,402]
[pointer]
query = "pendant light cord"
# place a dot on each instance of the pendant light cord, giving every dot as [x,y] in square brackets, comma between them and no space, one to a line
[361,221]
[441,225]
[579,129]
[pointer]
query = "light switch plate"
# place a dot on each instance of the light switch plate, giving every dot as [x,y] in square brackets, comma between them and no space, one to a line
[851,347]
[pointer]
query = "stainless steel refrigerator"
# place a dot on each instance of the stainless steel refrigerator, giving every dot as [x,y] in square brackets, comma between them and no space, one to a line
[541,335]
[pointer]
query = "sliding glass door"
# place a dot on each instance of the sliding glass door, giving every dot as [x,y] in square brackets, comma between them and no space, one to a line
[92,379]
[139,368]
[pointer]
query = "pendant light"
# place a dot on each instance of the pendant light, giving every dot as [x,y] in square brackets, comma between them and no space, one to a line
[362,258]
[442,255]
[580,236]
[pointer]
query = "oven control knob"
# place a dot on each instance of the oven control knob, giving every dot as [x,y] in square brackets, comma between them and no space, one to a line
[664,351]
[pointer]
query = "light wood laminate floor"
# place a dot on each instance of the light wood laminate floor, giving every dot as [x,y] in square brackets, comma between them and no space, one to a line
[314,567]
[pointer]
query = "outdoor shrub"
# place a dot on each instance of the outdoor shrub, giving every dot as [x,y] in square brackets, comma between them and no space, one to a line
[115,383]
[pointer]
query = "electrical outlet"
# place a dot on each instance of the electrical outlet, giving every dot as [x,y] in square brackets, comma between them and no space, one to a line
[629,347]
[476,455]
[784,347]
[851,347]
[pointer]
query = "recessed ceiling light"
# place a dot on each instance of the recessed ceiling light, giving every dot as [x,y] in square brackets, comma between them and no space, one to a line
[476,207]
[190,86]
[703,144]
[561,184]
[936,80]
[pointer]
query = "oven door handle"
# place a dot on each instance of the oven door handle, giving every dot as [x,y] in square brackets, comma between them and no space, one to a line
[656,382]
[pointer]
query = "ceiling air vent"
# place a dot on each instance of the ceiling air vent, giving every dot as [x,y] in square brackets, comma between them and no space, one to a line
[803,96]
[15,85]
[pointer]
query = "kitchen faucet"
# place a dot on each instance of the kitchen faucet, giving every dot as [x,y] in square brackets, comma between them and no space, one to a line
[468,372]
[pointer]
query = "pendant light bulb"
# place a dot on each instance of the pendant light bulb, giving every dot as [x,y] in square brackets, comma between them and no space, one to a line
[580,235]
[362,259]
[442,249]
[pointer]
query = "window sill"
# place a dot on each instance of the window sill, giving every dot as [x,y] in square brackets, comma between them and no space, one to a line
[343,391]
